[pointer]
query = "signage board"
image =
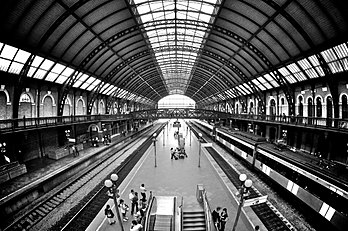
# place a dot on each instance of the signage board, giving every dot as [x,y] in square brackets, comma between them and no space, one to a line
[71,140]
[255,201]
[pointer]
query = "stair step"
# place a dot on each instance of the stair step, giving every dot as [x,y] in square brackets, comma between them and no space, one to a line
[199,224]
[194,229]
[193,219]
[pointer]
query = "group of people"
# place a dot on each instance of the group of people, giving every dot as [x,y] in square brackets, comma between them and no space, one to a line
[137,208]
[177,153]
[220,217]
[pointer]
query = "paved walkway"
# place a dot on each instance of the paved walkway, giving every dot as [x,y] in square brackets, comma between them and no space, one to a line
[174,178]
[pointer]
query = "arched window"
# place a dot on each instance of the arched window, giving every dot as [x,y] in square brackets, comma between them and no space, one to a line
[272,109]
[310,110]
[282,103]
[344,107]
[25,98]
[319,107]
[251,110]
[300,106]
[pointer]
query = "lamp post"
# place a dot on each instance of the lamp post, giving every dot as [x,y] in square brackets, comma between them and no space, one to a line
[163,138]
[199,153]
[244,189]
[111,185]
[154,146]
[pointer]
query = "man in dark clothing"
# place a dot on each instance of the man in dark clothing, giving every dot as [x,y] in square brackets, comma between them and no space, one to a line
[216,217]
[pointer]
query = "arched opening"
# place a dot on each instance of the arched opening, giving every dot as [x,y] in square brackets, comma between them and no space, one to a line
[67,109]
[272,109]
[176,101]
[79,107]
[329,111]
[300,106]
[344,107]
[47,110]
[310,110]
[282,107]
[24,108]
[319,107]
[251,110]
[3,107]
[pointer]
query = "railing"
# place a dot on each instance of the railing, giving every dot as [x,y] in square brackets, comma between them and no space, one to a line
[181,214]
[27,123]
[40,122]
[209,224]
[145,222]
[296,120]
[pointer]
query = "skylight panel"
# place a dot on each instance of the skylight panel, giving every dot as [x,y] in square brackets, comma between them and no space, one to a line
[8,52]
[258,84]
[287,75]
[22,56]
[176,39]
[16,68]
[51,76]
[315,62]
[264,83]
[4,64]
[308,68]
[296,72]
[273,81]
[332,60]
[46,65]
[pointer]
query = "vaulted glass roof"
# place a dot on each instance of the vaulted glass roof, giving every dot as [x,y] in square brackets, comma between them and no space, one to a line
[208,50]
[176,44]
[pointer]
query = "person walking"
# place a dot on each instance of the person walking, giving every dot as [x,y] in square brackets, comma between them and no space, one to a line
[216,217]
[109,214]
[223,219]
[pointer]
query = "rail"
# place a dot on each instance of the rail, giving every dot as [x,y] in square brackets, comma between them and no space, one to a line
[145,221]
[209,224]
[10,125]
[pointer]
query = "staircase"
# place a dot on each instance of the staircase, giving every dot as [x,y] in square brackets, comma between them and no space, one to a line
[193,221]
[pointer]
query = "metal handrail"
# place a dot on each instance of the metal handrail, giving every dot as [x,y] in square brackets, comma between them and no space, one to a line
[40,122]
[145,222]
[209,224]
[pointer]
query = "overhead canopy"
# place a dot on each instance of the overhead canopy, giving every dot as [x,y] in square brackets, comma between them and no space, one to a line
[145,50]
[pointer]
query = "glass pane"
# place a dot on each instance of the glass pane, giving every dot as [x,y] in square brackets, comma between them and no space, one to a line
[31,71]
[22,56]
[58,68]
[37,61]
[46,65]
[51,76]
[4,64]
[8,52]
[16,68]
[40,74]
[61,79]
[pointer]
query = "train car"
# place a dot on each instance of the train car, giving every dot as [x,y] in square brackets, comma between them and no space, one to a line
[162,214]
[321,192]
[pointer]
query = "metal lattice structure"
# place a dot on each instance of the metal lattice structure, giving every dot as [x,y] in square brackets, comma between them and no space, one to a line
[209,50]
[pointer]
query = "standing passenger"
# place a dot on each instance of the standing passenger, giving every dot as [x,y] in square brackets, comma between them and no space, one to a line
[223,218]
[109,214]
[123,208]
[216,217]
[131,197]
[143,192]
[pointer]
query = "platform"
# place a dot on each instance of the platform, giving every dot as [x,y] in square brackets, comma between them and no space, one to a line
[174,178]
[40,168]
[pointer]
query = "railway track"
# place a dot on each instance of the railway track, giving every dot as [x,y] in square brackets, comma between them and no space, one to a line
[266,212]
[43,209]
[85,215]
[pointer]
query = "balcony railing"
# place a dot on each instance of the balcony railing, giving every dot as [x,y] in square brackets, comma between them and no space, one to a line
[41,122]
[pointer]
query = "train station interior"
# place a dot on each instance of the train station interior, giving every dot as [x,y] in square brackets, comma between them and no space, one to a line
[238,104]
